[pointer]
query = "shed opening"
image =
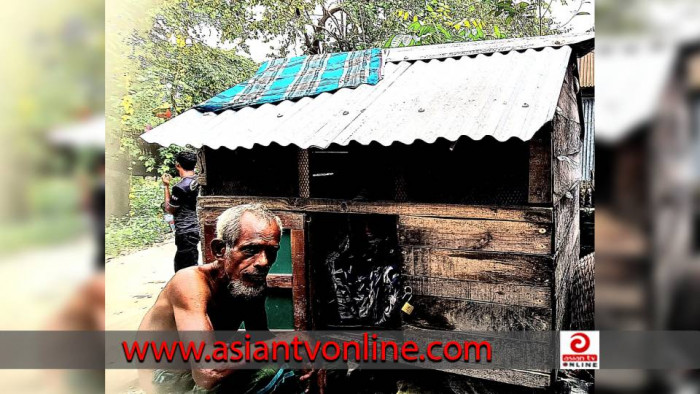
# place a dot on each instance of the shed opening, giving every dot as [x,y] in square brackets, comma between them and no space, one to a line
[262,171]
[484,172]
[356,270]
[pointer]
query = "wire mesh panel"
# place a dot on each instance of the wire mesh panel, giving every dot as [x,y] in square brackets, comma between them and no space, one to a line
[303,162]
[484,172]
[400,187]
[269,171]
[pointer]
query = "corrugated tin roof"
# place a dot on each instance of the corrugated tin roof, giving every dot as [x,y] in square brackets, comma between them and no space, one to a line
[586,70]
[442,51]
[503,95]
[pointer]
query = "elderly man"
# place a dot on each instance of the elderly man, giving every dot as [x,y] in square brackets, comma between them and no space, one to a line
[219,296]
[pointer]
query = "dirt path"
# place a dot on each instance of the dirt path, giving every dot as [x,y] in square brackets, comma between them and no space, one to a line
[133,283]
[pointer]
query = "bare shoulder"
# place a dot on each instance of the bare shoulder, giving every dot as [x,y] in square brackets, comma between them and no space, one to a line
[189,288]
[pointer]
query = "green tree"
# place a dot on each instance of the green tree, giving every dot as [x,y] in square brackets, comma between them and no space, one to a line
[167,77]
[314,26]
[319,26]
[455,21]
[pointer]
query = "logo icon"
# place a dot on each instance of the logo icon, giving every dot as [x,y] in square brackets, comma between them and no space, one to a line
[579,350]
[581,343]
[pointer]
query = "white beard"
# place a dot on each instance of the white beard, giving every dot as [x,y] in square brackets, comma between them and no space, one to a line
[239,290]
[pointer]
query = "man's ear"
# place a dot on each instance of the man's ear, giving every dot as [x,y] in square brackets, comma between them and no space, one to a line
[218,248]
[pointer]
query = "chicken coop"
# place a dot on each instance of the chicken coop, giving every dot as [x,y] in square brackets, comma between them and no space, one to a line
[455,174]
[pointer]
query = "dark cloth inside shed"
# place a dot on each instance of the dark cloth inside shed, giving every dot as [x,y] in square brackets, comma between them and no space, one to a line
[363,270]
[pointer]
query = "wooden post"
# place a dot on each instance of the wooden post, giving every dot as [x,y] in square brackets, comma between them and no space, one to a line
[566,177]
[299,288]
[201,167]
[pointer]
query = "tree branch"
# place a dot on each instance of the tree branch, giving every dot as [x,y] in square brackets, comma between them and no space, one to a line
[580,5]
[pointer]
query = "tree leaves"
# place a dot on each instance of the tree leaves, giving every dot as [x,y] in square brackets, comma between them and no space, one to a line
[169,73]
[456,20]
[444,32]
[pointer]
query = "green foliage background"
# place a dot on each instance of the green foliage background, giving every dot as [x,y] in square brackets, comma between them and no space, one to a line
[145,224]
[167,77]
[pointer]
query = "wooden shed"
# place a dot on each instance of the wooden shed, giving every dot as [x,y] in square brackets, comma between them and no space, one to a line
[464,157]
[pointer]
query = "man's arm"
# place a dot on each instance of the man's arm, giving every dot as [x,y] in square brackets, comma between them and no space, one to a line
[169,208]
[189,298]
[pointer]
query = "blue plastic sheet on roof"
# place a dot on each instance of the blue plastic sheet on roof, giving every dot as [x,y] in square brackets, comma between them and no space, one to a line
[301,76]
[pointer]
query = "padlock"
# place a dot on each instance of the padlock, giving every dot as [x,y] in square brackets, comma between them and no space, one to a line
[407,308]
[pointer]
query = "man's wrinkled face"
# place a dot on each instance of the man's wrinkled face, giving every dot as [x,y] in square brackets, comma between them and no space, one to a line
[250,258]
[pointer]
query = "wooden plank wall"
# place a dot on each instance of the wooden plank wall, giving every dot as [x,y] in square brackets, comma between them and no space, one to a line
[477,274]
[480,275]
[474,234]
[210,204]
[478,268]
[566,152]
[470,267]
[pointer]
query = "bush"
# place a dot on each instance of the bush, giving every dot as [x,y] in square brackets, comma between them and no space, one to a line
[144,225]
